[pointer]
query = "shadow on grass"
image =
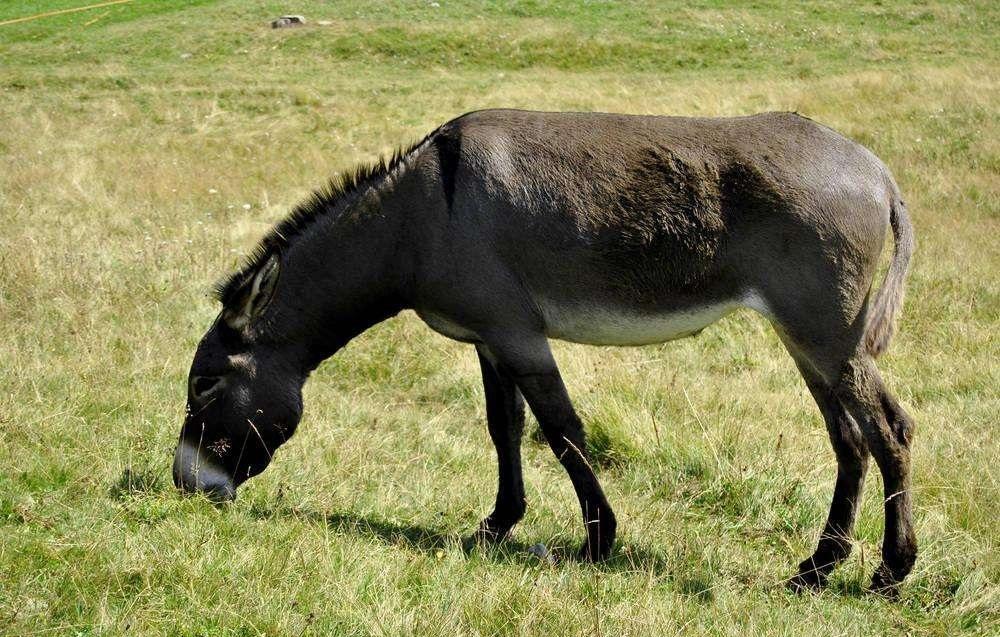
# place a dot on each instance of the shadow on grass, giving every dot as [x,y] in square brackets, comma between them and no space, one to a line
[687,577]
[136,482]
[696,581]
[626,556]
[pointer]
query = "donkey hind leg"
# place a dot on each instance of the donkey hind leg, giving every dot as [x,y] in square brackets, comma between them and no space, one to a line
[851,451]
[505,420]
[889,431]
[530,362]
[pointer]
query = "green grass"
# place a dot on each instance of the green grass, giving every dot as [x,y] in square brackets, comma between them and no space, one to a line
[133,137]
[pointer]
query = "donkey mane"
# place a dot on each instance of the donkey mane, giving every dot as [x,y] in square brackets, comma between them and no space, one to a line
[344,188]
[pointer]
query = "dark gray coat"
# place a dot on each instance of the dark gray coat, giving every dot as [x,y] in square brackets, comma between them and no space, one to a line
[505,228]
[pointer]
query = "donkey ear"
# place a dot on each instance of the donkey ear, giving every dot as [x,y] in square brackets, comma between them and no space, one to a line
[253,296]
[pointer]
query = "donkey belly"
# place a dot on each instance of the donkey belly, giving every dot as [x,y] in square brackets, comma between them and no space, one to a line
[608,325]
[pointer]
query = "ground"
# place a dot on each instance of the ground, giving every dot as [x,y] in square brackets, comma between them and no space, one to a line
[145,146]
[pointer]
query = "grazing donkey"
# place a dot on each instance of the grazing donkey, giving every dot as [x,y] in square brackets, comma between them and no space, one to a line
[505,228]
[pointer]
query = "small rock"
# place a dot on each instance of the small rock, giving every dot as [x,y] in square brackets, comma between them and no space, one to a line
[542,553]
[324,23]
[287,21]
[185,56]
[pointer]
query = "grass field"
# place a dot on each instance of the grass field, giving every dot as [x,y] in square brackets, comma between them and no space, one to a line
[143,149]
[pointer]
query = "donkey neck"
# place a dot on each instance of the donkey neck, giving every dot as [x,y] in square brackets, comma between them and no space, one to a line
[350,271]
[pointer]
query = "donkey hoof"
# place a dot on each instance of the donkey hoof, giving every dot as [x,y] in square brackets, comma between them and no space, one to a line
[594,552]
[491,532]
[810,577]
[884,583]
[806,582]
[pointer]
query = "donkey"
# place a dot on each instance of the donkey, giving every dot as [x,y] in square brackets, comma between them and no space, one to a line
[506,228]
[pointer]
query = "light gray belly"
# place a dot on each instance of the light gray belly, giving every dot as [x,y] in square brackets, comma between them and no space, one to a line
[605,325]
[622,326]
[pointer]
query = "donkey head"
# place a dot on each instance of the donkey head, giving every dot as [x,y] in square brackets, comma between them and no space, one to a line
[244,391]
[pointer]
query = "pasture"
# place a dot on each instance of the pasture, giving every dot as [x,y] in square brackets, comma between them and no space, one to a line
[144,147]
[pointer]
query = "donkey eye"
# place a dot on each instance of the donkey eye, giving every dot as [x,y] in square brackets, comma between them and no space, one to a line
[203,385]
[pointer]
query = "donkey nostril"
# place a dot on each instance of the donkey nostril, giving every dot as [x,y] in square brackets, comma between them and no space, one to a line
[201,386]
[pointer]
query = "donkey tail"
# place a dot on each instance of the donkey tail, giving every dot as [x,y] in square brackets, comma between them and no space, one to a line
[882,313]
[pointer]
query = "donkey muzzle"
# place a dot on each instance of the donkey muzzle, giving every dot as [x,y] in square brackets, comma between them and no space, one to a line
[196,472]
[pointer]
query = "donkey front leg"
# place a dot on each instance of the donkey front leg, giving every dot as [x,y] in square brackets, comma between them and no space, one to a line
[505,419]
[530,362]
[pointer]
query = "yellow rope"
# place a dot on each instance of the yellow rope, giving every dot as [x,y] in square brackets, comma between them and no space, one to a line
[48,13]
